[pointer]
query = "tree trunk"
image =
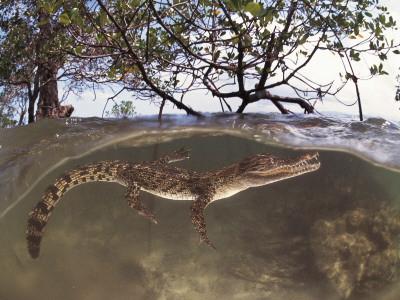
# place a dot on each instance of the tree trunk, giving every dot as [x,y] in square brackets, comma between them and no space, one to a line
[242,107]
[49,105]
[31,110]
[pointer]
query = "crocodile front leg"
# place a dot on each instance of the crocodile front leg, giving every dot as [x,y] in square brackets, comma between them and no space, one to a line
[196,213]
[132,197]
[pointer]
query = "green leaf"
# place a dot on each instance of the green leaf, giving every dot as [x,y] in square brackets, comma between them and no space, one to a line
[56,5]
[268,17]
[64,19]
[237,4]
[103,17]
[373,70]
[382,56]
[134,3]
[99,38]
[302,41]
[48,7]
[253,8]
[396,51]
[259,70]
[78,50]
[73,13]
[217,54]
[43,22]
[354,55]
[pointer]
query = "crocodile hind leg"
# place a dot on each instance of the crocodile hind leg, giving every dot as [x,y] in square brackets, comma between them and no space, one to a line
[196,213]
[177,155]
[132,197]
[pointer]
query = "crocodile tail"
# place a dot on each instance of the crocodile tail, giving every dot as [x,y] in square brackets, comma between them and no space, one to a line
[38,217]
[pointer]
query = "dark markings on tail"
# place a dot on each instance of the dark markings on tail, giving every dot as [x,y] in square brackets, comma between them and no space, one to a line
[38,217]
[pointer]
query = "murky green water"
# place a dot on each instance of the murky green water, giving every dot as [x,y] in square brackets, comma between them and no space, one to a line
[329,234]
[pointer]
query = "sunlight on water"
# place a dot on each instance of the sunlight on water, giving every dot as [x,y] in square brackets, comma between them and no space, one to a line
[329,234]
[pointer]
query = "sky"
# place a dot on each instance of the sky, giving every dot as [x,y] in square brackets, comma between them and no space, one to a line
[377,94]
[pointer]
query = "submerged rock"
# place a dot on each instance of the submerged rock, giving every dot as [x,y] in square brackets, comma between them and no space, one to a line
[357,252]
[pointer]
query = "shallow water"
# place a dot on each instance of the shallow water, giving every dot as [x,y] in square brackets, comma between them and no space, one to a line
[328,234]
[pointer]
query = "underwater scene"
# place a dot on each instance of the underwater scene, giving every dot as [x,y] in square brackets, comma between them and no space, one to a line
[330,232]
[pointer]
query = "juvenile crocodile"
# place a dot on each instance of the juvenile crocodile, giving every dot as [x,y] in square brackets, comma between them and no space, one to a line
[157,178]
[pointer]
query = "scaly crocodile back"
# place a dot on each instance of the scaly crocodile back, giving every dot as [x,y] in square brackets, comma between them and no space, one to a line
[99,171]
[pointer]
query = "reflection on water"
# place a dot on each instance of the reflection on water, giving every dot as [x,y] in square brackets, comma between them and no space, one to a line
[329,234]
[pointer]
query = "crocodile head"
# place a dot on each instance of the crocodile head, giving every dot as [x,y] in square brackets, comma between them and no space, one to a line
[265,168]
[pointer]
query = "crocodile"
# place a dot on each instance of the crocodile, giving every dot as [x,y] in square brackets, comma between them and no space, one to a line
[158,178]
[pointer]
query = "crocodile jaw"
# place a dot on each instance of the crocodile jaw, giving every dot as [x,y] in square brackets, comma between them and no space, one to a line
[269,168]
[261,169]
